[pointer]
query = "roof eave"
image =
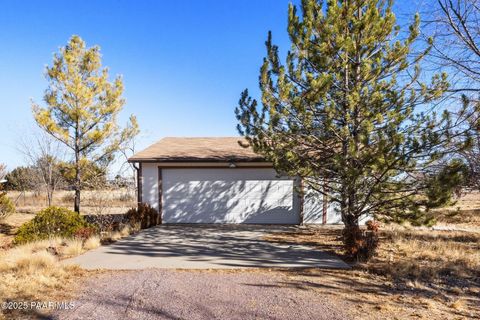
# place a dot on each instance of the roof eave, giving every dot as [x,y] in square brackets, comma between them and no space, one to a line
[189,159]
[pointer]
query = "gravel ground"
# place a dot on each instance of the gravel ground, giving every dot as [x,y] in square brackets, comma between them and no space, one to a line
[174,294]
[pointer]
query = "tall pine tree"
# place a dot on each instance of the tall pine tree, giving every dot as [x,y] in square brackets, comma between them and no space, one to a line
[82,108]
[349,111]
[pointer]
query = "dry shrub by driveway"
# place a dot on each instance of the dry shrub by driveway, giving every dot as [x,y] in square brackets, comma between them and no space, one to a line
[415,273]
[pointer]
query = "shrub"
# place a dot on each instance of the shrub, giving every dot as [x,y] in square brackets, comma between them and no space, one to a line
[6,205]
[106,222]
[85,232]
[144,215]
[361,245]
[53,221]
[372,225]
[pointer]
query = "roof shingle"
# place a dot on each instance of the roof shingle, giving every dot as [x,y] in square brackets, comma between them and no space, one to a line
[172,149]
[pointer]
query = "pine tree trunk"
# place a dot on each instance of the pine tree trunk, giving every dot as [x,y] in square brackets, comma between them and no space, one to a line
[350,221]
[77,184]
[77,172]
[352,235]
[349,218]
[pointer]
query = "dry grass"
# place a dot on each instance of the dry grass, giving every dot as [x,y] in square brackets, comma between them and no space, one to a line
[26,260]
[93,201]
[416,273]
[116,236]
[112,236]
[450,259]
[92,243]
[465,213]
[458,304]
[73,247]
[34,272]
[126,231]
[369,296]
[30,273]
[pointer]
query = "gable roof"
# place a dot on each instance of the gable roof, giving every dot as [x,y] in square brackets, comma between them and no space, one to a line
[173,149]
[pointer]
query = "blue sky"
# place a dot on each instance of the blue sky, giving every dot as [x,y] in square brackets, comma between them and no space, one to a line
[184,63]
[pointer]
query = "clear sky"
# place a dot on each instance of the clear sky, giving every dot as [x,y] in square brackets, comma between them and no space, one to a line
[184,62]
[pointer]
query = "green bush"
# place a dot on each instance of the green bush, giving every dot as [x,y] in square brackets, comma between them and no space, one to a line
[53,221]
[6,205]
[144,215]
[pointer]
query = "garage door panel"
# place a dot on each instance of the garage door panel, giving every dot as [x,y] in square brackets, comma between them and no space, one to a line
[227,196]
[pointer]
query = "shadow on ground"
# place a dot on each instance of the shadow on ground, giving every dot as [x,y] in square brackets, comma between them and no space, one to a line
[206,246]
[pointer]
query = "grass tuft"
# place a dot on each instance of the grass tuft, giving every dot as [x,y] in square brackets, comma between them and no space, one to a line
[92,243]
[73,247]
[458,304]
[126,231]
[116,236]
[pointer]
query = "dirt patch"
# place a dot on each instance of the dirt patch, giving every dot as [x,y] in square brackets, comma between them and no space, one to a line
[171,294]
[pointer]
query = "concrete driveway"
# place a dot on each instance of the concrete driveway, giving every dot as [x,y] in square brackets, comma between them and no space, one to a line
[205,247]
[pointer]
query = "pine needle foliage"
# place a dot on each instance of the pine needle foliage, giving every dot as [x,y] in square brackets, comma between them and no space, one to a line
[350,110]
[82,108]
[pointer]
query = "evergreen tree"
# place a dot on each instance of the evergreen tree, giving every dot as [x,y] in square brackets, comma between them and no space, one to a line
[350,111]
[21,179]
[82,107]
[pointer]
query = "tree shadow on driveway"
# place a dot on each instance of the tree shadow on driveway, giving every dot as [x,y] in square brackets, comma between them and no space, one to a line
[206,246]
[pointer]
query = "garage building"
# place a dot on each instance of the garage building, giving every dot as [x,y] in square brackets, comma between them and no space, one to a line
[220,180]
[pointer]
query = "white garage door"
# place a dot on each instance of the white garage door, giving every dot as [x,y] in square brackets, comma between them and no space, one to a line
[238,195]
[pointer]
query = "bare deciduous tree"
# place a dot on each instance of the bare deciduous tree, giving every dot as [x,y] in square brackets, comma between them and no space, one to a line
[472,155]
[43,154]
[126,150]
[3,171]
[456,49]
[6,205]
[456,30]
